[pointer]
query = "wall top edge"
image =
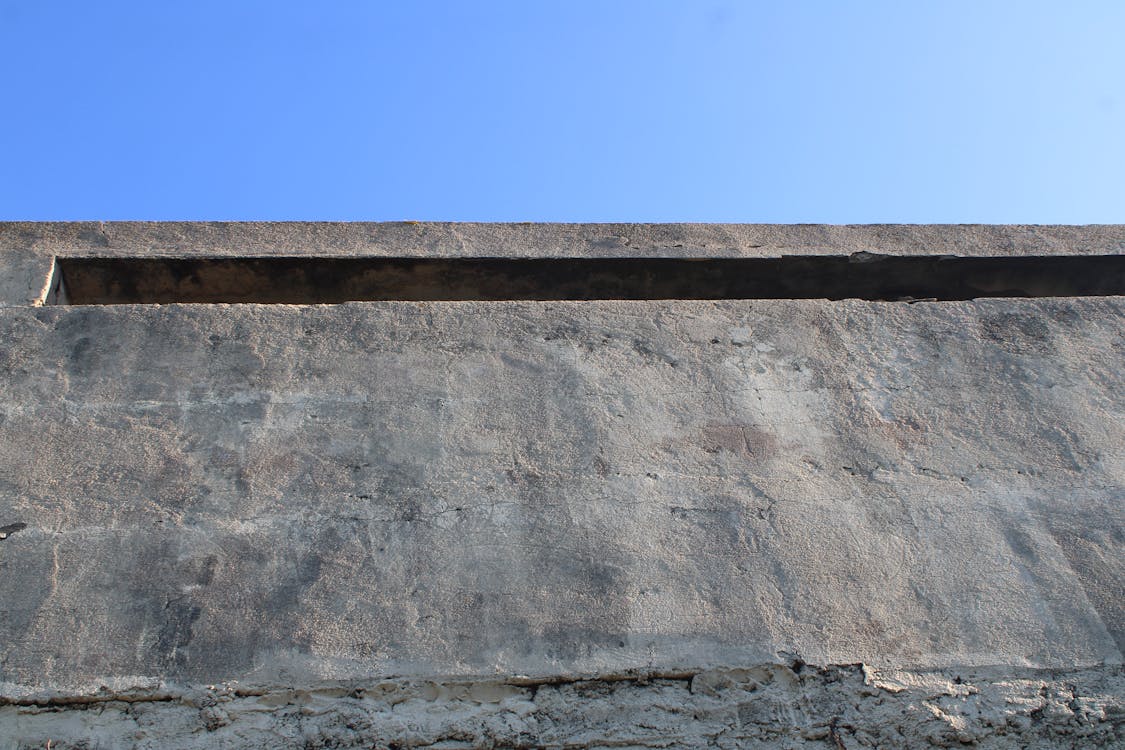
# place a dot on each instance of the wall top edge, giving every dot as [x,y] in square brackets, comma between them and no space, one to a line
[455,239]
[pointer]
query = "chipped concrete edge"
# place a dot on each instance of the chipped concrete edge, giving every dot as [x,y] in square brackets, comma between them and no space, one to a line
[783,705]
[26,278]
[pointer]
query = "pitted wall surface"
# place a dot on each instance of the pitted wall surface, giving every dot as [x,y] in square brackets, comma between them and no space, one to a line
[325,497]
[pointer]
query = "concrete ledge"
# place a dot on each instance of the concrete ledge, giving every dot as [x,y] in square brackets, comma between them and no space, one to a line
[27,249]
[769,706]
[433,239]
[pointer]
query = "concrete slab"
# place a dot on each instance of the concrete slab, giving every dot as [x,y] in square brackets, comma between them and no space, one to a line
[327,497]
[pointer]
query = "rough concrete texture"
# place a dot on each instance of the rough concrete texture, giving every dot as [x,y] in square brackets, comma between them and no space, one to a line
[772,706]
[451,239]
[562,524]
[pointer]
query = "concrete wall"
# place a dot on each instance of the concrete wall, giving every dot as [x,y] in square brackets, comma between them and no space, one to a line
[568,522]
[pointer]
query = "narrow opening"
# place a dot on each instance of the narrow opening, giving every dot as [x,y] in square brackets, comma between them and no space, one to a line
[312,280]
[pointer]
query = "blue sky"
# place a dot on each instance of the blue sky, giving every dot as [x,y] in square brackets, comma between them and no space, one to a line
[787,111]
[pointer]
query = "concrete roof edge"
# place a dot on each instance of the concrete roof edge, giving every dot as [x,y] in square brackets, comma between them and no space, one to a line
[528,239]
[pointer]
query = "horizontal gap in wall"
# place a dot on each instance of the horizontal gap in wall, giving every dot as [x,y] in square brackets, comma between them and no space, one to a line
[318,280]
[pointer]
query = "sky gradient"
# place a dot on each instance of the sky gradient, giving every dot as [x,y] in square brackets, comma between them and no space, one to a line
[794,111]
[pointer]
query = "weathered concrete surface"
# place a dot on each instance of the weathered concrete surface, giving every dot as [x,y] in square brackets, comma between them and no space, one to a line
[452,239]
[770,706]
[324,497]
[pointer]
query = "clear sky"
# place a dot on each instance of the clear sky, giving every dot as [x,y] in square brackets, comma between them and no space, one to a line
[640,110]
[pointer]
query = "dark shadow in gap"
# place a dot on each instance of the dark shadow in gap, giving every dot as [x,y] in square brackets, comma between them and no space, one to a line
[319,280]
